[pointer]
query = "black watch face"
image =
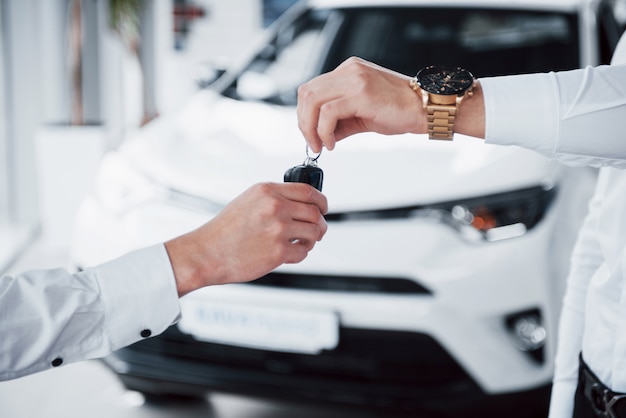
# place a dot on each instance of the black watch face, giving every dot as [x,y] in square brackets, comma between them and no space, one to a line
[443,80]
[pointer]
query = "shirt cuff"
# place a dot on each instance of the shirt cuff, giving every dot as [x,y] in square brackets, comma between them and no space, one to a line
[522,110]
[139,295]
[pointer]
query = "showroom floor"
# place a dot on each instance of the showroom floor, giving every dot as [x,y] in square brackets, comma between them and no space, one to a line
[88,389]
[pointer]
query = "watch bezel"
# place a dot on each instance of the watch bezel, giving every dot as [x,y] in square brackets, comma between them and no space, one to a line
[463,84]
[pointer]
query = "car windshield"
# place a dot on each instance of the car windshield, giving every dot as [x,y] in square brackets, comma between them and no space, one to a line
[487,42]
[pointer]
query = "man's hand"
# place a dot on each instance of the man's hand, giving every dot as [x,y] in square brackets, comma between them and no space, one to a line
[266,226]
[358,96]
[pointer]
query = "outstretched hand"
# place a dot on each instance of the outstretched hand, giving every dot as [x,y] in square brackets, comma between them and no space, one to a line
[267,225]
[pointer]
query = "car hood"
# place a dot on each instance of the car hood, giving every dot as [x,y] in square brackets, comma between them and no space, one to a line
[216,147]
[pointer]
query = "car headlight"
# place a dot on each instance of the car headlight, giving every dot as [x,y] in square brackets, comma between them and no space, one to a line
[501,216]
[487,218]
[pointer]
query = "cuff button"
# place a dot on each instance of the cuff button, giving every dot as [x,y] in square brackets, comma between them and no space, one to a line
[146,333]
[57,362]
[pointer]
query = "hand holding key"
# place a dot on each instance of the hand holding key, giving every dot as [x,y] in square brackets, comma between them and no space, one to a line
[251,236]
[308,172]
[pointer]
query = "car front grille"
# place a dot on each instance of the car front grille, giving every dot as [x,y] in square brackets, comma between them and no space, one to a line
[382,285]
[386,362]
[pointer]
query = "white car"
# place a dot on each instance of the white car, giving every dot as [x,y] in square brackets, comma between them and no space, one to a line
[438,284]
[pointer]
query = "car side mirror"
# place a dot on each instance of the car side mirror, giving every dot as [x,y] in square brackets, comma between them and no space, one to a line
[207,73]
[252,85]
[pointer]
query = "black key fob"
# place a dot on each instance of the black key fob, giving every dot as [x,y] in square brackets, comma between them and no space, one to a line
[304,173]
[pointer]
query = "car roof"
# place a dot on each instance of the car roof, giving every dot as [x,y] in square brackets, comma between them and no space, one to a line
[518,4]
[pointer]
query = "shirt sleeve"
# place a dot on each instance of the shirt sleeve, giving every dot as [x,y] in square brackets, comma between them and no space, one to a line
[51,317]
[577,117]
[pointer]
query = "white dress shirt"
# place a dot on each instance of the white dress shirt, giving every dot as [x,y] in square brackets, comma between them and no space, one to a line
[579,118]
[50,318]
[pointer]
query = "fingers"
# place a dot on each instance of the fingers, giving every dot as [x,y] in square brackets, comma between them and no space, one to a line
[358,96]
[291,211]
[310,228]
[298,214]
[308,224]
[250,237]
[304,193]
[332,111]
[322,105]
[315,101]
[296,219]
[308,111]
[316,110]
[297,249]
[296,252]
[338,120]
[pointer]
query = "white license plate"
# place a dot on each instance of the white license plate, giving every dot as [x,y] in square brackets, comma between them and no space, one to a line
[264,327]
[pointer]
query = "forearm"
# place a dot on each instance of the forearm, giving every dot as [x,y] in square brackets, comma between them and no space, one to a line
[470,119]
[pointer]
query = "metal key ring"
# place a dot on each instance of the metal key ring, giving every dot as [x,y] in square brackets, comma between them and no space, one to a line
[311,160]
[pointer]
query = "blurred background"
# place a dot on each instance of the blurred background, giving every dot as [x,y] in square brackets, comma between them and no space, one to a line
[101,75]
[36,94]
[126,122]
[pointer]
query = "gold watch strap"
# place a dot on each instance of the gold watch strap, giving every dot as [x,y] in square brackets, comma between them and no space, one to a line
[440,121]
[440,116]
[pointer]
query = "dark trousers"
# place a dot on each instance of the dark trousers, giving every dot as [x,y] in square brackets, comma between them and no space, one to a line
[593,399]
[582,405]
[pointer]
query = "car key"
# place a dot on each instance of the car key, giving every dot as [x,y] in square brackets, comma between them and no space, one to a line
[308,172]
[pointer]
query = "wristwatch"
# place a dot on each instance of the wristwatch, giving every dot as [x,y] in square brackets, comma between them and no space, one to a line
[442,89]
